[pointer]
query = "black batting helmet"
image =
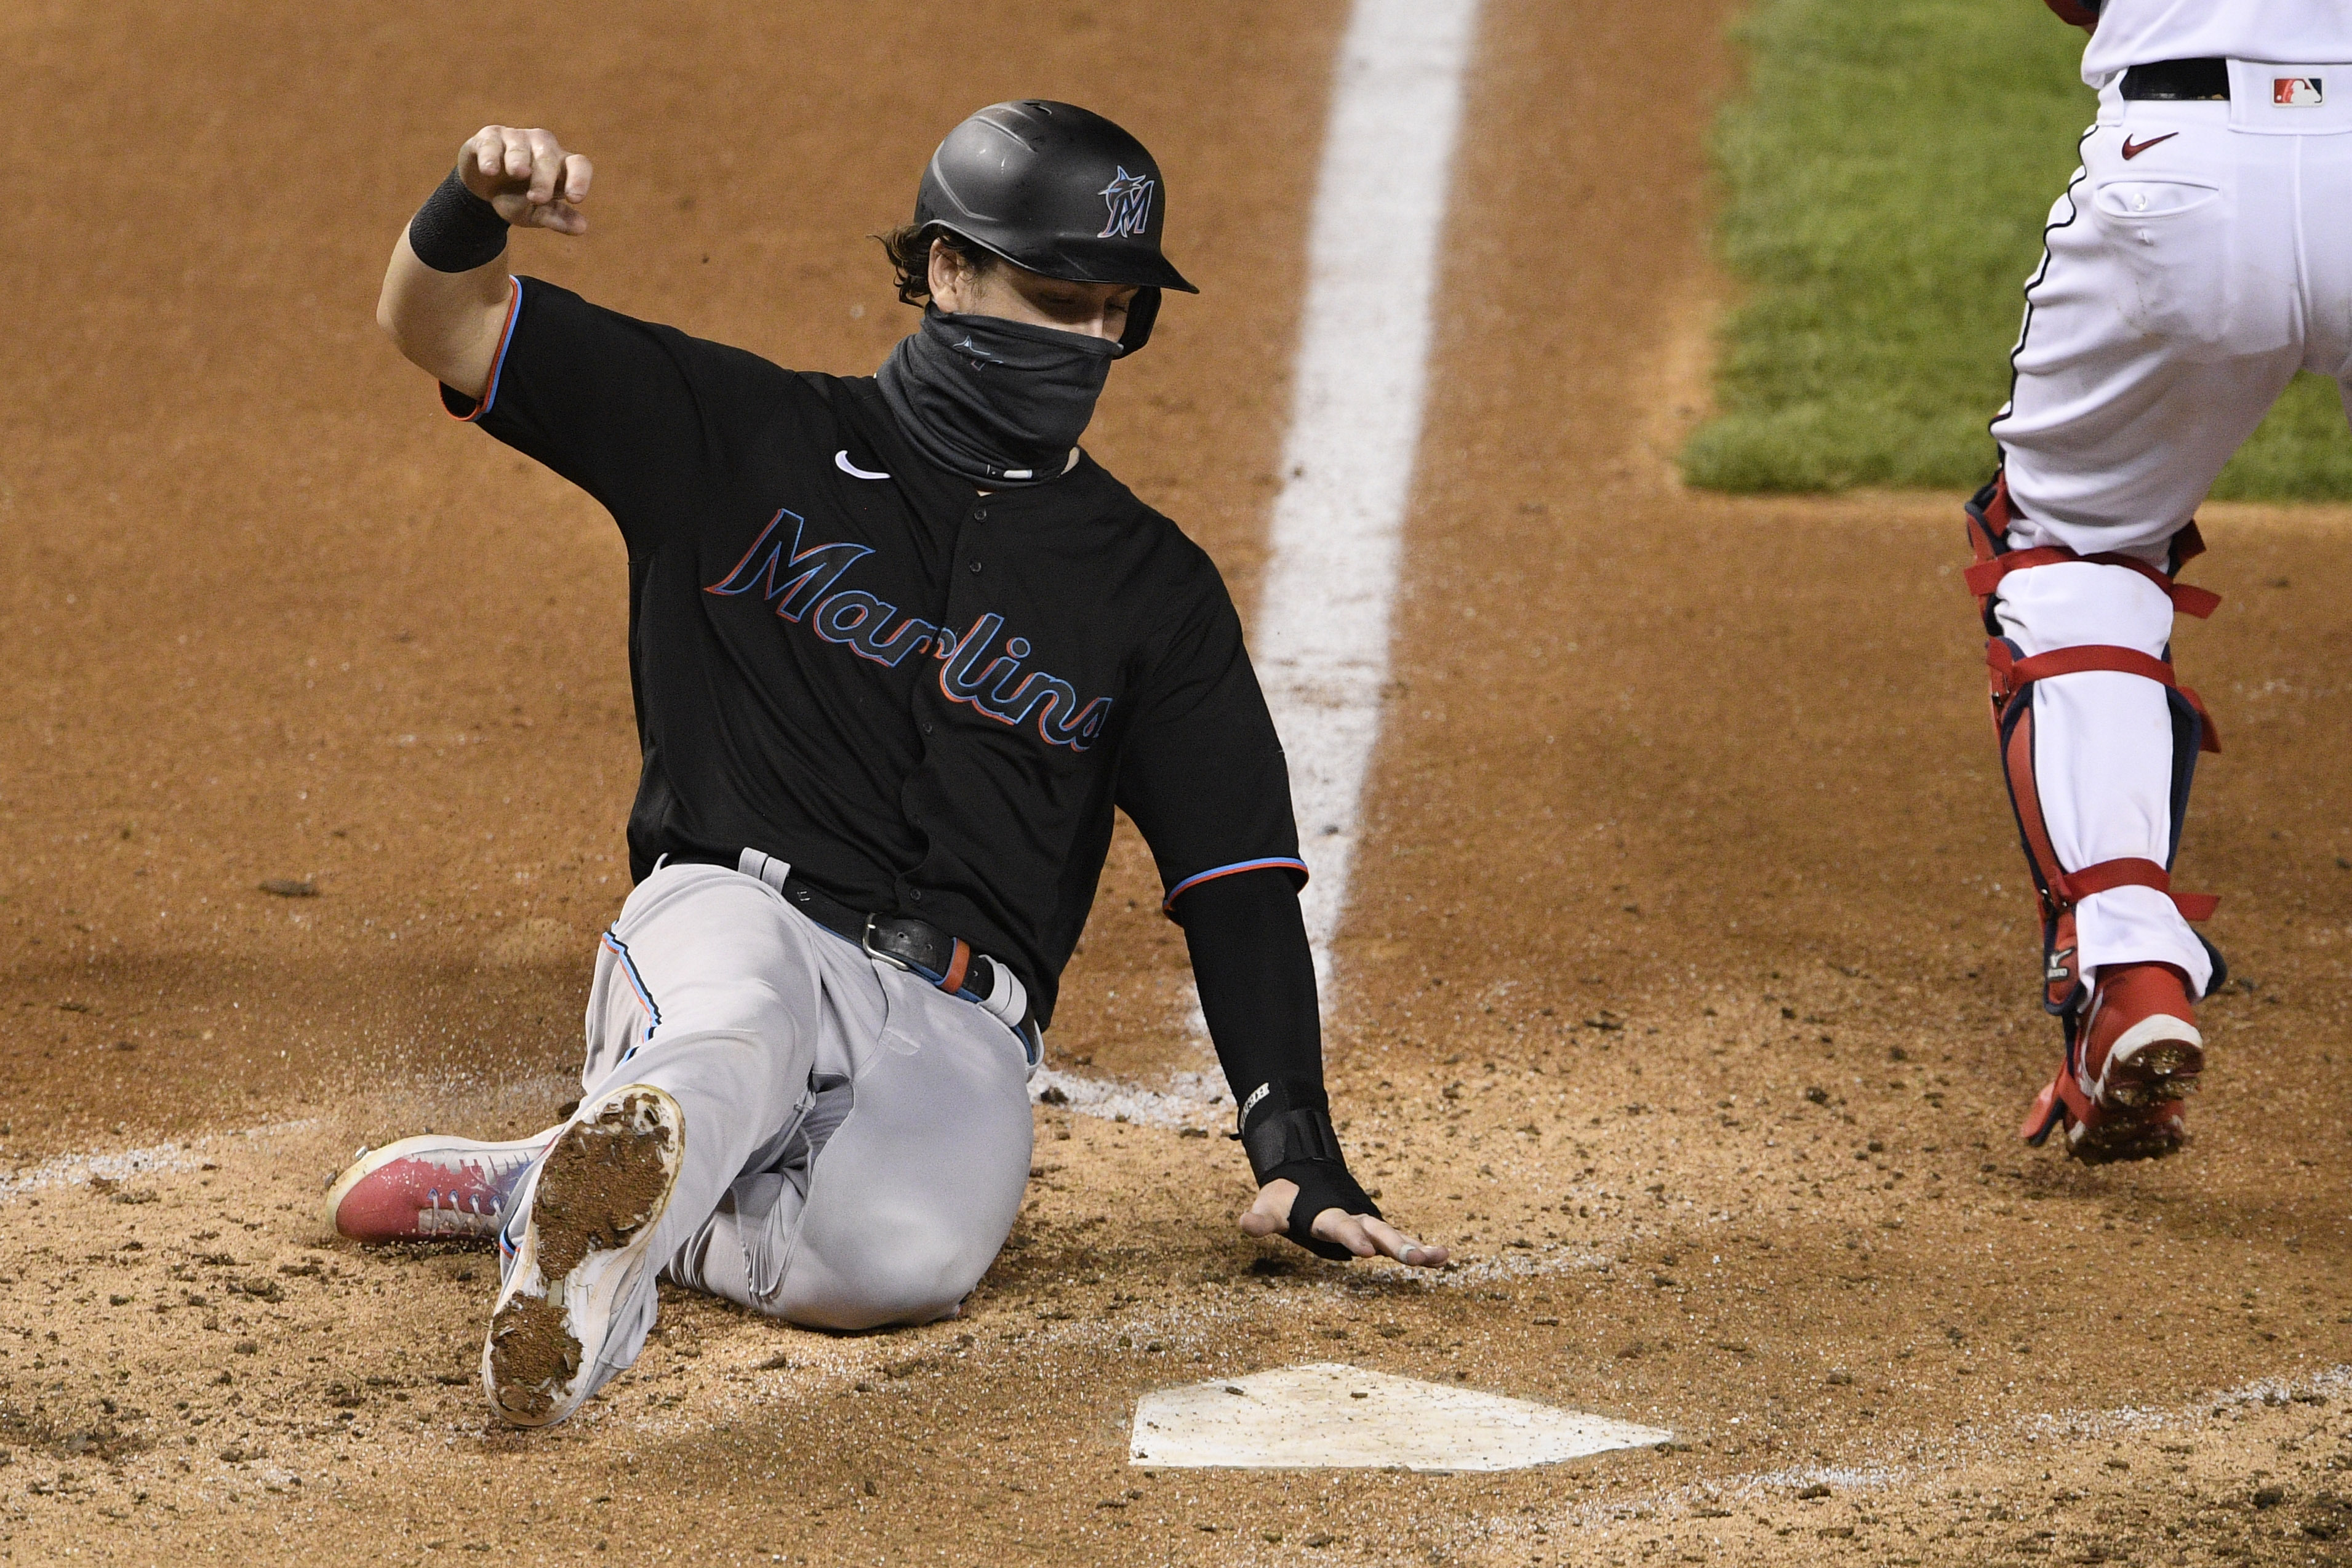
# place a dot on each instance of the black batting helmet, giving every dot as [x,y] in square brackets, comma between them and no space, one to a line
[1059,190]
[1055,188]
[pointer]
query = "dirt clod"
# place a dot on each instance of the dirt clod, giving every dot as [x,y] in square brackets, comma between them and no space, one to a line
[532,1354]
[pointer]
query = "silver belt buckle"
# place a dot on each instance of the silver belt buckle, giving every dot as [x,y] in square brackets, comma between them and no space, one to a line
[866,941]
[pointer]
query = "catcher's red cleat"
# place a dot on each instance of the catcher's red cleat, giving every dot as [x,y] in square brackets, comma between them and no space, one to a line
[2134,1054]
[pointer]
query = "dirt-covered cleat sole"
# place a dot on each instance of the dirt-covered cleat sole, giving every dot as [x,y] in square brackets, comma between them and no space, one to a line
[2149,1133]
[2098,1134]
[430,1188]
[2155,1060]
[594,1205]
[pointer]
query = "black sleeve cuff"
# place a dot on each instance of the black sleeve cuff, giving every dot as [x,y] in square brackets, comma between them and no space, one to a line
[1287,1137]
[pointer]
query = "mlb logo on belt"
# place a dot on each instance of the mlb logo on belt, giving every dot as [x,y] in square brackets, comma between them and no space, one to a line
[2297,91]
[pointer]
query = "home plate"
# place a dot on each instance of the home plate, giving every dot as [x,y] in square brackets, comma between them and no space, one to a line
[1327,1415]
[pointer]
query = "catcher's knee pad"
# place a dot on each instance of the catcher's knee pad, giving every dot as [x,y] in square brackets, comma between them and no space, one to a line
[2013,675]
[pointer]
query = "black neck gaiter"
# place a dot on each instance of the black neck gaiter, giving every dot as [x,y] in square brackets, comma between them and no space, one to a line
[999,402]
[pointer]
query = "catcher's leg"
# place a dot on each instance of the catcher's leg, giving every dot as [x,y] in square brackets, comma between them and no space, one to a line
[2161,325]
[2100,747]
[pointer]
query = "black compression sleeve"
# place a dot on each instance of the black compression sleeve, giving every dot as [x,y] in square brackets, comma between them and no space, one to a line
[1256,978]
[456,230]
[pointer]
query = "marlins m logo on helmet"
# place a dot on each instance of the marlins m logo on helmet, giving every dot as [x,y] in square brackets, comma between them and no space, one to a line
[1129,196]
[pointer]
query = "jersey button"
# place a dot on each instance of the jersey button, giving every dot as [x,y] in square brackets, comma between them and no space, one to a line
[917,895]
[981,515]
[927,726]
[975,568]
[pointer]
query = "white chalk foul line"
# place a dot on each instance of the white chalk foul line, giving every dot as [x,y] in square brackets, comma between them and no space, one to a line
[1322,629]
[1191,1098]
[121,1164]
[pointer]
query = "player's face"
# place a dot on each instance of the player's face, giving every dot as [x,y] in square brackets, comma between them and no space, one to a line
[1016,294]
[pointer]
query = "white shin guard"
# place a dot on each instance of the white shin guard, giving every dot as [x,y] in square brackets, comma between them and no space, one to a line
[2099,744]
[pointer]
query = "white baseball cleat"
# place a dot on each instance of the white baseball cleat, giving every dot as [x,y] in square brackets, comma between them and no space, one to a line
[431,1188]
[588,1218]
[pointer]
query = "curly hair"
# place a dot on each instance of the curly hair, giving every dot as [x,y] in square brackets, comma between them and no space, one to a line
[909,246]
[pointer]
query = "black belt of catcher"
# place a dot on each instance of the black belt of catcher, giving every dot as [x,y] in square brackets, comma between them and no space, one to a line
[918,947]
[2179,81]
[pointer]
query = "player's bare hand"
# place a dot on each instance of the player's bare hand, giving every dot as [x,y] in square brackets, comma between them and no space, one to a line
[527,176]
[1366,1236]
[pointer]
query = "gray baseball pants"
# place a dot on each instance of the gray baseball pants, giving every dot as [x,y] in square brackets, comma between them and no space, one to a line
[857,1142]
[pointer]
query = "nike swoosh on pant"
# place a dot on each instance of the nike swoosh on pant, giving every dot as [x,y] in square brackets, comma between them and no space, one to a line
[2133,150]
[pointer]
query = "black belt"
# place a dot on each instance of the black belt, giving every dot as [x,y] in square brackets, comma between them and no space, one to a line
[2179,81]
[918,947]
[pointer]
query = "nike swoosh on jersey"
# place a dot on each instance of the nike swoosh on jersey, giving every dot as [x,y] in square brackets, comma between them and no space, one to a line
[841,460]
[2134,149]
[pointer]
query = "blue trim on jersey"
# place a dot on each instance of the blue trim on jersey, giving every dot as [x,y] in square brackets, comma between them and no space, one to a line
[1288,863]
[498,364]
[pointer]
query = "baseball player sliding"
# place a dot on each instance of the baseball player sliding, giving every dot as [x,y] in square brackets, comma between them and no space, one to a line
[899,648]
[2199,257]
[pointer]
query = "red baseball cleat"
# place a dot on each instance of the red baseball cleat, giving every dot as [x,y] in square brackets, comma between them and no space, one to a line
[2133,1057]
[432,1188]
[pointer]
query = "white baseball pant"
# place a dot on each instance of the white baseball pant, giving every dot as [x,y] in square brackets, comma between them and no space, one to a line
[2199,257]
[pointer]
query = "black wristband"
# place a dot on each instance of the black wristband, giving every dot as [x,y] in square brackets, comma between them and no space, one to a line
[456,230]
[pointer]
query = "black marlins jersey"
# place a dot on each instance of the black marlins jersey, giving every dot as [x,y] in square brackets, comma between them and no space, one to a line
[927,699]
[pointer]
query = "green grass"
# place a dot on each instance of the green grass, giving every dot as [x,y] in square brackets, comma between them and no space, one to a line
[1886,178]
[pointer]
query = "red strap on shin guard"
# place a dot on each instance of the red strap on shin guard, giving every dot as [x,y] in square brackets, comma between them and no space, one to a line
[2187,545]
[2010,673]
[1988,530]
[1984,578]
[2073,887]
[1989,541]
[2062,890]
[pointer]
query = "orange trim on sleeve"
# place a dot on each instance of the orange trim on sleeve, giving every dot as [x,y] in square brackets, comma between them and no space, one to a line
[1285,862]
[497,364]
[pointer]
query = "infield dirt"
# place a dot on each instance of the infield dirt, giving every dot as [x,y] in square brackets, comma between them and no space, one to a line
[1685,986]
